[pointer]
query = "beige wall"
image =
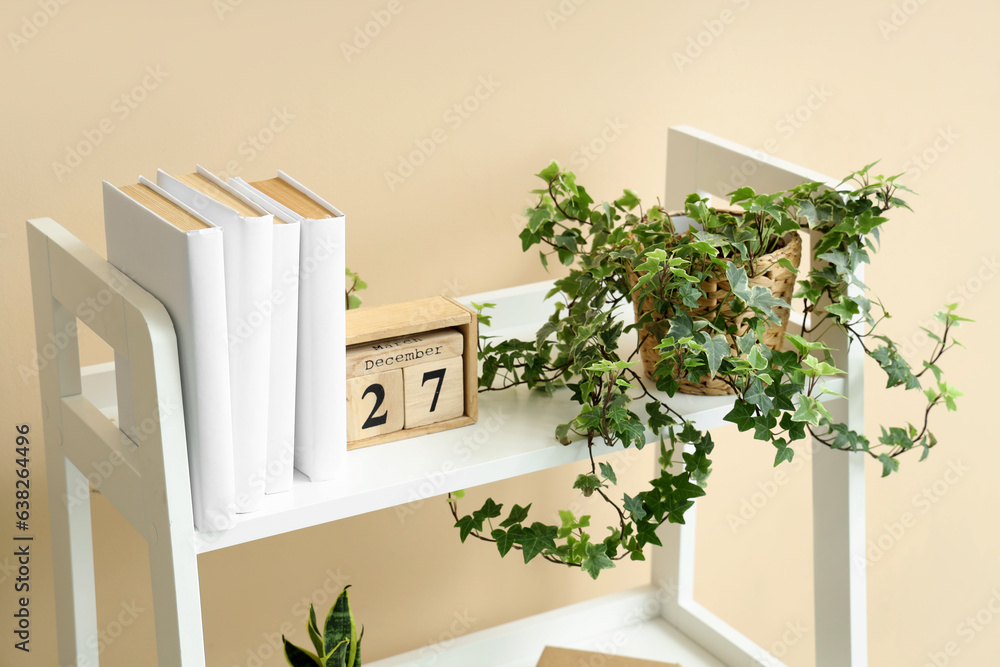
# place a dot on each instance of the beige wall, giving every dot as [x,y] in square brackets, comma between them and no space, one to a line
[884,79]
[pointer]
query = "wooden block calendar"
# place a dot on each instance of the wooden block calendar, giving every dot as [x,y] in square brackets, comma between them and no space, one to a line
[412,369]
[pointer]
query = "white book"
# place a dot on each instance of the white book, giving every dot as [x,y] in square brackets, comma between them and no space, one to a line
[263,411]
[321,379]
[178,257]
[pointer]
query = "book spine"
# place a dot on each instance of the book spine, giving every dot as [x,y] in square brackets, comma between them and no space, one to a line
[321,382]
[210,401]
[284,351]
[249,308]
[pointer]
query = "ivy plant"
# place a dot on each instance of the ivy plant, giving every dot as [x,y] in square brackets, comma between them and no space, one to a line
[354,285]
[586,348]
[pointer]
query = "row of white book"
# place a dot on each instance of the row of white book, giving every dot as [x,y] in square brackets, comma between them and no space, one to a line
[253,277]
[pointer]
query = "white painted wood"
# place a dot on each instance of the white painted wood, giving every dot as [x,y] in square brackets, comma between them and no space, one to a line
[166,490]
[697,160]
[839,552]
[98,384]
[72,545]
[623,624]
[107,458]
[150,486]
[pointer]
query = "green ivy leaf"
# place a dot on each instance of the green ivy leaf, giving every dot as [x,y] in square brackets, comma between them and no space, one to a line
[889,464]
[505,540]
[739,284]
[608,473]
[634,507]
[645,533]
[466,525]
[596,560]
[489,510]
[716,349]
[784,453]
[550,172]
[628,201]
[807,411]
[742,415]
[517,515]
[587,484]
[536,539]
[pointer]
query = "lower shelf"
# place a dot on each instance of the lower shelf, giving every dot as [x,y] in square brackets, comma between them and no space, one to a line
[626,623]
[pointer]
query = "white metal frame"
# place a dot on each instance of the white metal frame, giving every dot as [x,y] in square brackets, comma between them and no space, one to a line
[149,485]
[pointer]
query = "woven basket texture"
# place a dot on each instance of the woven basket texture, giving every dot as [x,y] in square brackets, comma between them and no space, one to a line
[769,274]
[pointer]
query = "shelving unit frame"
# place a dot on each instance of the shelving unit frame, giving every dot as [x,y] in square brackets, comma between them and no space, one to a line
[148,480]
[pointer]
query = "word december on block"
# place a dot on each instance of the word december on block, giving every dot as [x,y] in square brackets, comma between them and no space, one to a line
[411,369]
[403,351]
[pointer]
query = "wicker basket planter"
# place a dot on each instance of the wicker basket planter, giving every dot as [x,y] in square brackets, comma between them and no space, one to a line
[769,274]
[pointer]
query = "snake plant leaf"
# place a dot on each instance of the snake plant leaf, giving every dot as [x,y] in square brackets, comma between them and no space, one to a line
[313,628]
[298,657]
[339,626]
[337,657]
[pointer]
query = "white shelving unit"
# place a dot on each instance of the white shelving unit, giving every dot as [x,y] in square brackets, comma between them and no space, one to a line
[149,481]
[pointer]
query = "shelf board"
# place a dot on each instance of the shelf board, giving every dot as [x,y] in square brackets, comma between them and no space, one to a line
[514,436]
[624,624]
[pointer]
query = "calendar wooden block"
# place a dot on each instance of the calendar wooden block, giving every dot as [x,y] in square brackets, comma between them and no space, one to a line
[403,336]
[374,404]
[403,351]
[433,392]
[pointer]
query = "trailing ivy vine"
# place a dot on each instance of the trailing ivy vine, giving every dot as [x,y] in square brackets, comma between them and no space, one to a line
[586,348]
